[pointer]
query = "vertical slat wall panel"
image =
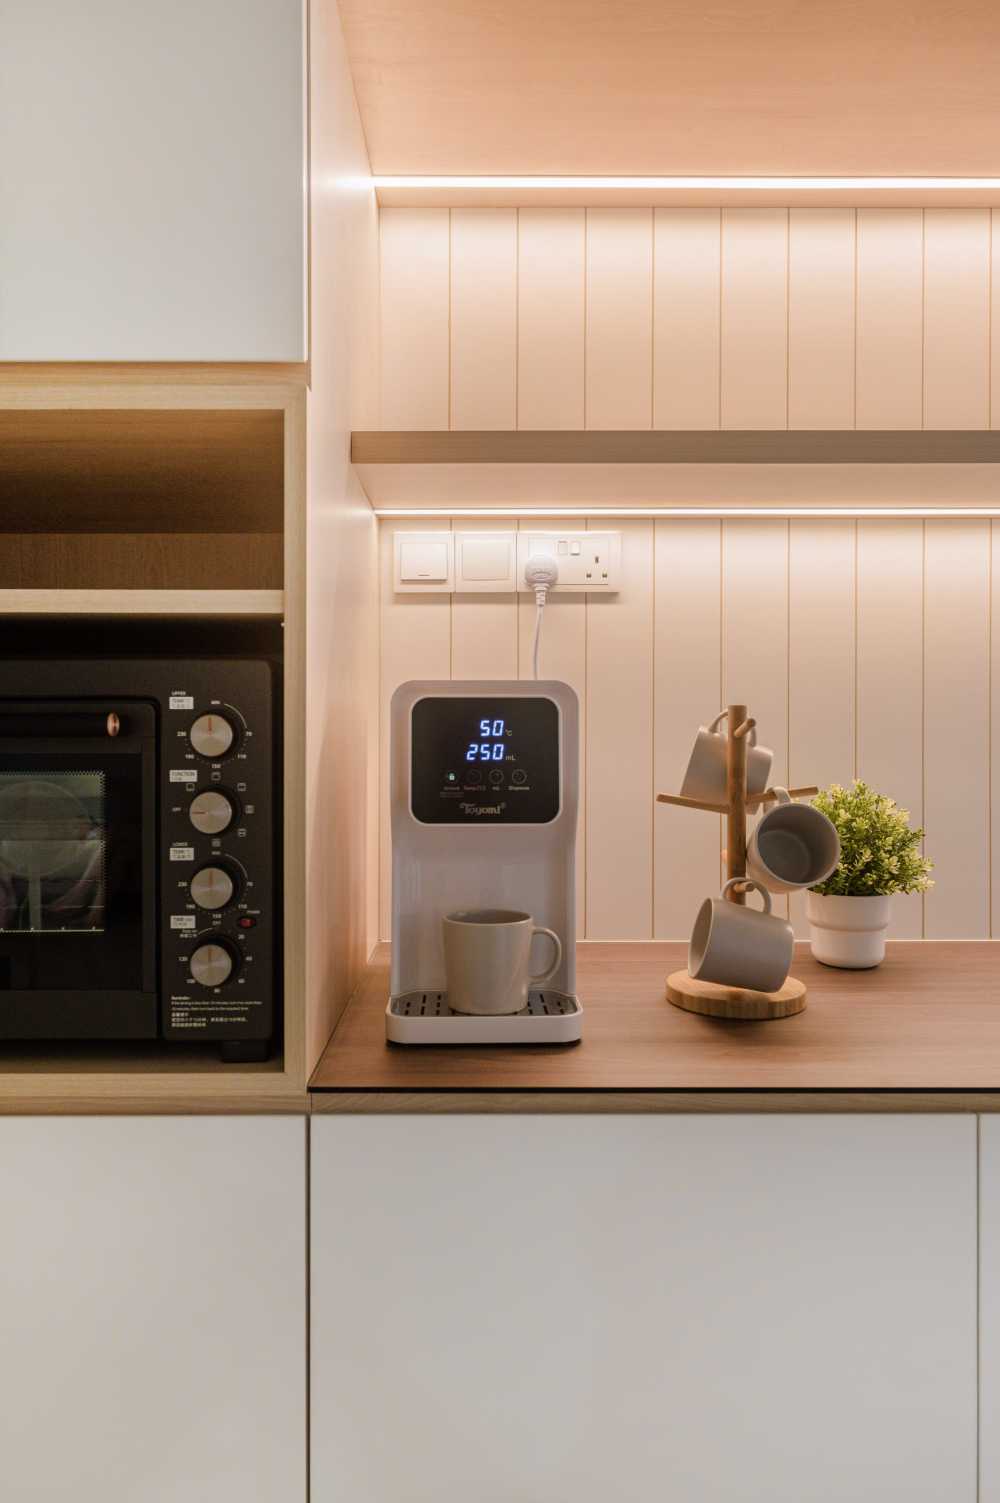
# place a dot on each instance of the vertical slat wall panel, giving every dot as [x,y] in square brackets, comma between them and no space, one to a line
[483,627]
[821,656]
[550,320]
[619,318]
[890,754]
[890,318]
[995,318]
[754,318]
[414,318]
[994,730]
[755,633]
[619,747]
[686,271]
[956,318]
[483,318]
[687,693]
[416,643]
[781,618]
[821,318]
[563,656]
[956,727]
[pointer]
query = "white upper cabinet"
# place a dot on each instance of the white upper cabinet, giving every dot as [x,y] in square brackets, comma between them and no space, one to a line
[152,179]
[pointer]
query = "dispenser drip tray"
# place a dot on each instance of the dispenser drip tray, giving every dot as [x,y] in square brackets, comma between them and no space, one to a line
[425,1018]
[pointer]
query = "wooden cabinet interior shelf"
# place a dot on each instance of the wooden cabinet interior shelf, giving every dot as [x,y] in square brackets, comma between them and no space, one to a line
[164,494]
[171,499]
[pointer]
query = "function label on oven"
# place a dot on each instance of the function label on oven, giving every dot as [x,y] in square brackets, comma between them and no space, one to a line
[183,774]
[181,702]
[183,921]
[182,853]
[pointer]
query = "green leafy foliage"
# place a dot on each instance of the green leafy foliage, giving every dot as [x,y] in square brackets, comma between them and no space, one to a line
[879,852]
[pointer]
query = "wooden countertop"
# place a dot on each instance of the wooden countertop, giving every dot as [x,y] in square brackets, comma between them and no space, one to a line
[920,1032]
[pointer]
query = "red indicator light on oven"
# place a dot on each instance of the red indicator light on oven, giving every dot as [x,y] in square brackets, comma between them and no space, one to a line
[247,923]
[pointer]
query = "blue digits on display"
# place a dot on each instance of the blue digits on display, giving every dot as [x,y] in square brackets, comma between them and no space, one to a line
[488,751]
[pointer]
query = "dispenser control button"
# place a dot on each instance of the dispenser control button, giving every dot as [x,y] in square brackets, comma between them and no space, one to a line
[496,777]
[212,887]
[518,777]
[211,812]
[212,736]
[474,778]
[212,965]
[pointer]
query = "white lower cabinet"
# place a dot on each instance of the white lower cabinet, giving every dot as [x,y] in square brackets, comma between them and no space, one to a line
[152,1309]
[989,1308]
[691,1309]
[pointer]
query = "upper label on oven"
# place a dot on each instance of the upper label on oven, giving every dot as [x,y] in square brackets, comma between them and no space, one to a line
[183,774]
[181,701]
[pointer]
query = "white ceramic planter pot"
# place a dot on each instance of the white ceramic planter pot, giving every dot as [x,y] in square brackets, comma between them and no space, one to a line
[848,932]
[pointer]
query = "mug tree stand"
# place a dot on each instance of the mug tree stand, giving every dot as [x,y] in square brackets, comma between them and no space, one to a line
[706,997]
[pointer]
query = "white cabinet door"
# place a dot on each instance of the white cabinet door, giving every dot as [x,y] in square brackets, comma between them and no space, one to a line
[152,1310]
[989,1309]
[152,180]
[694,1309]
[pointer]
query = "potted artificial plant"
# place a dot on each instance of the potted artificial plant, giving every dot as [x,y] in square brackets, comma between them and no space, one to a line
[879,854]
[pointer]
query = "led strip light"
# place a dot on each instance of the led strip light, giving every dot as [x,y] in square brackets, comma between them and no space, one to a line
[913,513]
[701,184]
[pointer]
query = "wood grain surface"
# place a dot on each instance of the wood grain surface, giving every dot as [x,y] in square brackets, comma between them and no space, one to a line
[928,1019]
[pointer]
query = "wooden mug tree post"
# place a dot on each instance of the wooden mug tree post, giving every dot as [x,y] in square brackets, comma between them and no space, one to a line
[706,997]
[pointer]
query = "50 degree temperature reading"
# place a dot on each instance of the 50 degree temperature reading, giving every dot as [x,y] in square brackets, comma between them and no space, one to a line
[491,749]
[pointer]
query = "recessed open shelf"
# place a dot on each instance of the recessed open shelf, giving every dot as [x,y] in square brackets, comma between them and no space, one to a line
[168,499]
[174,509]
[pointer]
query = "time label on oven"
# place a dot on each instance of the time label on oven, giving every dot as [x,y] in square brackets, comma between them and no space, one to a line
[183,921]
[182,853]
[181,701]
[183,774]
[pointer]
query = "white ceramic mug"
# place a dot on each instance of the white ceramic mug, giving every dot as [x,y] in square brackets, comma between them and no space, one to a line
[486,961]
[793,846]
[705,778]
[737,946]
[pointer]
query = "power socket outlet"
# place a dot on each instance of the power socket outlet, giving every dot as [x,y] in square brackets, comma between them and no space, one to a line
[587,560]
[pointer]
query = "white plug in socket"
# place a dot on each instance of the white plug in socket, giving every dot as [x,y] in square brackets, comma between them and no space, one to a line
[586,560]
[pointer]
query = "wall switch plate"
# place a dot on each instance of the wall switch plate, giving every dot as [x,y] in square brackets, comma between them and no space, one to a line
[586,560]
[424,562]
[485,562]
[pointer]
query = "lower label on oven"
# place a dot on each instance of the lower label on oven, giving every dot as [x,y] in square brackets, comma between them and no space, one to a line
[193,1014]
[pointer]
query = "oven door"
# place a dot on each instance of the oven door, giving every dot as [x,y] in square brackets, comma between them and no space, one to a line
[77,869]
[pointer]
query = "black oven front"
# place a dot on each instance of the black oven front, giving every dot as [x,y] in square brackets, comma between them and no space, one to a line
[138,879]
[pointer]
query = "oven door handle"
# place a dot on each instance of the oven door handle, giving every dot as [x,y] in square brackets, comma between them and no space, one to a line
[35,723]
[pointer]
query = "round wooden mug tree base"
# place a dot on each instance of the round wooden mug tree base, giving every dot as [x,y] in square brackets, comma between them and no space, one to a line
[705,997]
[734,1001]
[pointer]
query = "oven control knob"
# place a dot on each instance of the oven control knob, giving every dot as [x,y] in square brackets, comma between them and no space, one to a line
[212,736]
[212,964]
[211,812]
[213,887]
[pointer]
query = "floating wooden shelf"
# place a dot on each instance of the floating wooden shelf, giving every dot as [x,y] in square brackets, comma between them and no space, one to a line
[576,470]
[645,446]
[142,602]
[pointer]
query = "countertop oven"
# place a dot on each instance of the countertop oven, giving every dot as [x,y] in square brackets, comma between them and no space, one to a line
[138,886]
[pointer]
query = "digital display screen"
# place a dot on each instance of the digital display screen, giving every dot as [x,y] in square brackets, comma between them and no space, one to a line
[484,760]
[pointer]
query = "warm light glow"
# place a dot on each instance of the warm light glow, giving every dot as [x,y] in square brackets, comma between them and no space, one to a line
[706,184]
[542,513]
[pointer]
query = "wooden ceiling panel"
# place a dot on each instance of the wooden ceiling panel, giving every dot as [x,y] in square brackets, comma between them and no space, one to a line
[881,87]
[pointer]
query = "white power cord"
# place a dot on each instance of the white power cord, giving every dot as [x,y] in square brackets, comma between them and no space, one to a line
[540,573]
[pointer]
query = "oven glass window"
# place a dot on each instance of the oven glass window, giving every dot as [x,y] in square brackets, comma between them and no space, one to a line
[53,851]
